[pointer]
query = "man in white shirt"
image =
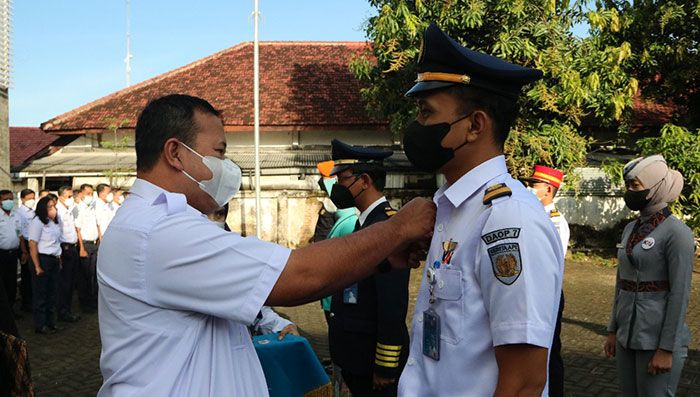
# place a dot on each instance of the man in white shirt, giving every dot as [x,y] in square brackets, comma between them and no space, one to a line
[103,206]
[70,260]
[9,246]
[88,239]
[117,200]
[544,184]
[25,212]
[177,292]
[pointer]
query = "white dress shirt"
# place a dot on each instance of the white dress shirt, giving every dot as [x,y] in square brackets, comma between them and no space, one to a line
[365,213]
[26,215]
[87,223]
[68,233]
[479,306]
[271,322]
[104,214]
[9,230]
[176,294]
[561,224]
[47,236]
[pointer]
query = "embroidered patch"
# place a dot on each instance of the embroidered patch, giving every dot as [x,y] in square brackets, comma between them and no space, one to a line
[505,262]
[501,234]
[648,242]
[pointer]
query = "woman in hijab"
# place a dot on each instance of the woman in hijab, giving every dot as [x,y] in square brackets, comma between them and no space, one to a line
[647,332]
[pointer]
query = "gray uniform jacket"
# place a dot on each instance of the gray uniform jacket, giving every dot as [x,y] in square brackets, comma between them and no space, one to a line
[651,320]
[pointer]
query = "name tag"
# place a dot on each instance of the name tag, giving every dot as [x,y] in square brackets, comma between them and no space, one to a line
[350,295]
[431,334]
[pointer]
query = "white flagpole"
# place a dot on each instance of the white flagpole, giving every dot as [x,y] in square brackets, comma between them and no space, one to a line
[256,106]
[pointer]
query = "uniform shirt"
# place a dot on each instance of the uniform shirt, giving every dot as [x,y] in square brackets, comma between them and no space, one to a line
[104,214]
[176,294]
[68,233]
[271,322]
[9,230]
[87,223]
[26,215]
[113,206]
[479,310]
[649,320]
[47,236]
[366,212]
[561,224]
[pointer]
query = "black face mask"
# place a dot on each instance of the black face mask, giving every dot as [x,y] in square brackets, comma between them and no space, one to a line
[422,144]
[342,197]
[637,201]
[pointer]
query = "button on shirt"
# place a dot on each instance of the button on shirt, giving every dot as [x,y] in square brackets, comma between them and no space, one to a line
[68,233]
[9,231]
[176,294]
[511,237]
[26,215]
[47,236]
[87,223]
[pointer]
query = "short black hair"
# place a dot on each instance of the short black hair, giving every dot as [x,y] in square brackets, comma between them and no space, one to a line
[101,187]
[171,116]
[63,189]
[26,192]
[503,110]
[42,209]
[378,174]
[85,186]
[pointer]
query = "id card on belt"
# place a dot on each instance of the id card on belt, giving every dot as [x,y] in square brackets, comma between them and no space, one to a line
[350,295]
[431,334]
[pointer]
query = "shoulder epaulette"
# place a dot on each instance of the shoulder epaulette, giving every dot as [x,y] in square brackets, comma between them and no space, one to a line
[390,211]
[554,213]
[496,191]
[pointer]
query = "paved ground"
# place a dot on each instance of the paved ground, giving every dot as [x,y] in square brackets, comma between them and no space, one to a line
[67,364]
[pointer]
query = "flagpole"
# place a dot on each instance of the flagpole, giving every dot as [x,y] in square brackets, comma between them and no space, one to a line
[256,107]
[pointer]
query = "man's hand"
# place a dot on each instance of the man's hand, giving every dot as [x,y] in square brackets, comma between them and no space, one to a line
[24,258]
[290,329]
[39,271]
[380,383]
[410,257]
[83,253]
[610,345]
[661,362]
[416,220]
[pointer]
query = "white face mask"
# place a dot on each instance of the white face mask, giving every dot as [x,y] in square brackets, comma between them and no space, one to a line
[110,197]
[225,180]
[534,191]
[30,203]
[222,225]
[69,202]
[120,200]
[87,200]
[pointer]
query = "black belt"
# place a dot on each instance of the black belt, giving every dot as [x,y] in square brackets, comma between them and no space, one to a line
[90,241]
[644,286]
[51,256]
[10,251]
[69,244]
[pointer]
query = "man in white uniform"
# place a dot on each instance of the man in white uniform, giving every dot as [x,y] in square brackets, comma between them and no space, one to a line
[26,214]
[9,247]
[487,304]
[88,240]
[177,292]
[70,260]
[544,184]
[103,206]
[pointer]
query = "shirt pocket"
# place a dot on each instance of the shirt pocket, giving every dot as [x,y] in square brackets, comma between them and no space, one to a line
[449,304]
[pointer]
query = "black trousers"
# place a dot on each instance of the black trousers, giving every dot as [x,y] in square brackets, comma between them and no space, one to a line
[25,284]
[68,278]
[45,289]
[362,386]
[556,364]
[8,274]
[87,278]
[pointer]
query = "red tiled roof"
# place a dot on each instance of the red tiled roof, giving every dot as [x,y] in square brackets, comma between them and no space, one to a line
[646,113]
[303,85]
[27,142]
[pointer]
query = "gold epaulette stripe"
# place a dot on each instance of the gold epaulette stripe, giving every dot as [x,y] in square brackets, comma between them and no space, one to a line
[388,352]
[387,359]
[554,214]
[390,211]
[385,364]
[389,347]
[496,191]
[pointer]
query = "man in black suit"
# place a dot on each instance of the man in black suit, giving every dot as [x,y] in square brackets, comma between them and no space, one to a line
[367,330]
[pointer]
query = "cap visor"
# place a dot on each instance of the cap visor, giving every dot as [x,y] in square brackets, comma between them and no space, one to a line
[339,168]
[424,86]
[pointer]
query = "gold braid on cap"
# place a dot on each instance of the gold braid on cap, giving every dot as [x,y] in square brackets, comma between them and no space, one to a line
[439,76]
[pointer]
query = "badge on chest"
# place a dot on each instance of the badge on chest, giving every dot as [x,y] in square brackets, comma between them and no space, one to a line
[648,243]
[431,334]
[506,262]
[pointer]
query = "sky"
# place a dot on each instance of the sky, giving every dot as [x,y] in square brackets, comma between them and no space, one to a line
[66,53]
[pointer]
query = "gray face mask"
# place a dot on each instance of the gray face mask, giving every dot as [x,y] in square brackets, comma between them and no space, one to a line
[225,181]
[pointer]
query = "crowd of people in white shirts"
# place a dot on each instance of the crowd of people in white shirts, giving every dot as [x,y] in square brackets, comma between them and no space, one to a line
[55,239]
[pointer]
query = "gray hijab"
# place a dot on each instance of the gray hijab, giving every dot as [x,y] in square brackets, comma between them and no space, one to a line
[664,184]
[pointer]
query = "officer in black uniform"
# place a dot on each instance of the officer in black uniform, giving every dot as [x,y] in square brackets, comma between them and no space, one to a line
[367,331]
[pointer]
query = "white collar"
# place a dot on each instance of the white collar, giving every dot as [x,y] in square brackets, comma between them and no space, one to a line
[472,181]
[549,207]
[365,213]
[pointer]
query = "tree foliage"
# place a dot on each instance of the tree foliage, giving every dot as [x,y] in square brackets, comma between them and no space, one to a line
[584,78]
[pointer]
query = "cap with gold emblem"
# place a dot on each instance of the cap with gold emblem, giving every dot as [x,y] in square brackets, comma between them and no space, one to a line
[443,63]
